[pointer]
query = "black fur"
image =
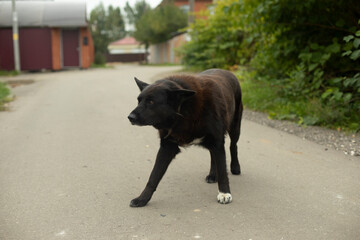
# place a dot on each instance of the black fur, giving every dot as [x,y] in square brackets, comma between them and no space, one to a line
[188,107]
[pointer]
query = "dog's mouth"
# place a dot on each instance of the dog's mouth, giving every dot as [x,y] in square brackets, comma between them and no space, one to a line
[137,123]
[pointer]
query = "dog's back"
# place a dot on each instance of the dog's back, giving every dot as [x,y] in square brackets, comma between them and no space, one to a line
[216,104]
[229,93]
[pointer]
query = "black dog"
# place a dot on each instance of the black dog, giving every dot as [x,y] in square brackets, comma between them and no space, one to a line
[192,109]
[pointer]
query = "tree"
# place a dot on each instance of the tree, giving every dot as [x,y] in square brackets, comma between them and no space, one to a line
[134,14]
[106,26]
[159,24]
[309,51]
[143,30]
[115,24]
[166,20]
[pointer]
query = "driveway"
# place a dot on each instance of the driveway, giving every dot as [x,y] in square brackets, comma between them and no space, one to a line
[70,162]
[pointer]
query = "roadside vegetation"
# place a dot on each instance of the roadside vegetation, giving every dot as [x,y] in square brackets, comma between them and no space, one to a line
[100,65]
[4,95]
[296,60]
[4,90]
[8,73]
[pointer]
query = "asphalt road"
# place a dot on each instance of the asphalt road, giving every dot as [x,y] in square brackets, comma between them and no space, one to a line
[70,162]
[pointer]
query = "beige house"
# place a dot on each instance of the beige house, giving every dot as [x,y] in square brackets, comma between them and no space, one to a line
[125,45]
[126,50]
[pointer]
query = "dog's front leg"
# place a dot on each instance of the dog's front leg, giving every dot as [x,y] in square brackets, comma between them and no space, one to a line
[166,153]
[219,157]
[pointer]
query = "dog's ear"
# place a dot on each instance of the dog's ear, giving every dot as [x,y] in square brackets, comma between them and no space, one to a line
[183,94]
[141,84]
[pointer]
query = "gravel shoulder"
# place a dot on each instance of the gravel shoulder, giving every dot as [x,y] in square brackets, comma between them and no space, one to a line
[348,143]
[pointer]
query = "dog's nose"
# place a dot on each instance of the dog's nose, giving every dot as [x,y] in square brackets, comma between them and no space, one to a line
[132,117]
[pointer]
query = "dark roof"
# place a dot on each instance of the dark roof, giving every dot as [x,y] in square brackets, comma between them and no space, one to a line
[44,13]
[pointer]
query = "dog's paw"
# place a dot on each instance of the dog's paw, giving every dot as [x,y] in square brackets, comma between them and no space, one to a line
[137,202]
[224,198]
[211,179]
[235,170]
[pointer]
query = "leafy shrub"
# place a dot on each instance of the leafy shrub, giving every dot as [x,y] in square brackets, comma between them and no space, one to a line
[217,40]
[99,58]
[308,52]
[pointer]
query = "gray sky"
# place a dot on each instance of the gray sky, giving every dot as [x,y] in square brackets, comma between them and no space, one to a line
[90,4]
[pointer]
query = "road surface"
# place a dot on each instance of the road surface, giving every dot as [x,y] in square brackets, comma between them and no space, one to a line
[70,162]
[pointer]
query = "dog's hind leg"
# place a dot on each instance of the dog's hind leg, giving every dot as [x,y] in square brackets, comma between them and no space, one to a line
[167,152]
[234,134]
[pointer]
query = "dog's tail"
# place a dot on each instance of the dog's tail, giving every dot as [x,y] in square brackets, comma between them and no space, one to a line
[236,121]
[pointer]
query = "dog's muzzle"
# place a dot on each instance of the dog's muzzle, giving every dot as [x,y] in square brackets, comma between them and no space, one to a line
[133,118]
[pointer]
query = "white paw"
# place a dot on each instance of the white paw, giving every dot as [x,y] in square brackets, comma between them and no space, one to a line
[224,198]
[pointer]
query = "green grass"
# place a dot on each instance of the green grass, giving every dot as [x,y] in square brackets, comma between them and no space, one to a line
[160,64]
[4,95]
[103,65]
[261,95]
[8,73]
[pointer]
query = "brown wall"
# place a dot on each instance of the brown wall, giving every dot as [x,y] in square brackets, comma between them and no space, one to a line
[56,48]
[87,51]
[199,5]
[40,48]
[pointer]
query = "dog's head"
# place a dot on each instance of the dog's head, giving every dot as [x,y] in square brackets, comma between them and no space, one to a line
[158,104]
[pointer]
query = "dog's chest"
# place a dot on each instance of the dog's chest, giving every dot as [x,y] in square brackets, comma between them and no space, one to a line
[196,141]
[184,138]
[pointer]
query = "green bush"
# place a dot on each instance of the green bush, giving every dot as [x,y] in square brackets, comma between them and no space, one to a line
[99,59]
[306,52]
[217,41]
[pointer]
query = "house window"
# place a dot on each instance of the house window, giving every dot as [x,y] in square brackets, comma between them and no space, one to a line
[185,8]
[85,41]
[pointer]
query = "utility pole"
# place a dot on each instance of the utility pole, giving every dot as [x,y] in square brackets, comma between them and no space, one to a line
[191,11]
[15,29]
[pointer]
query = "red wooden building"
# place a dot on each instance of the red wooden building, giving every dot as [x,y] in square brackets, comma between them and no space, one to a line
[53,35]
[199,5]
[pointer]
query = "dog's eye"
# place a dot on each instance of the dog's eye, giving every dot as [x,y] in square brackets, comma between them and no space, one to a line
[151,102]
